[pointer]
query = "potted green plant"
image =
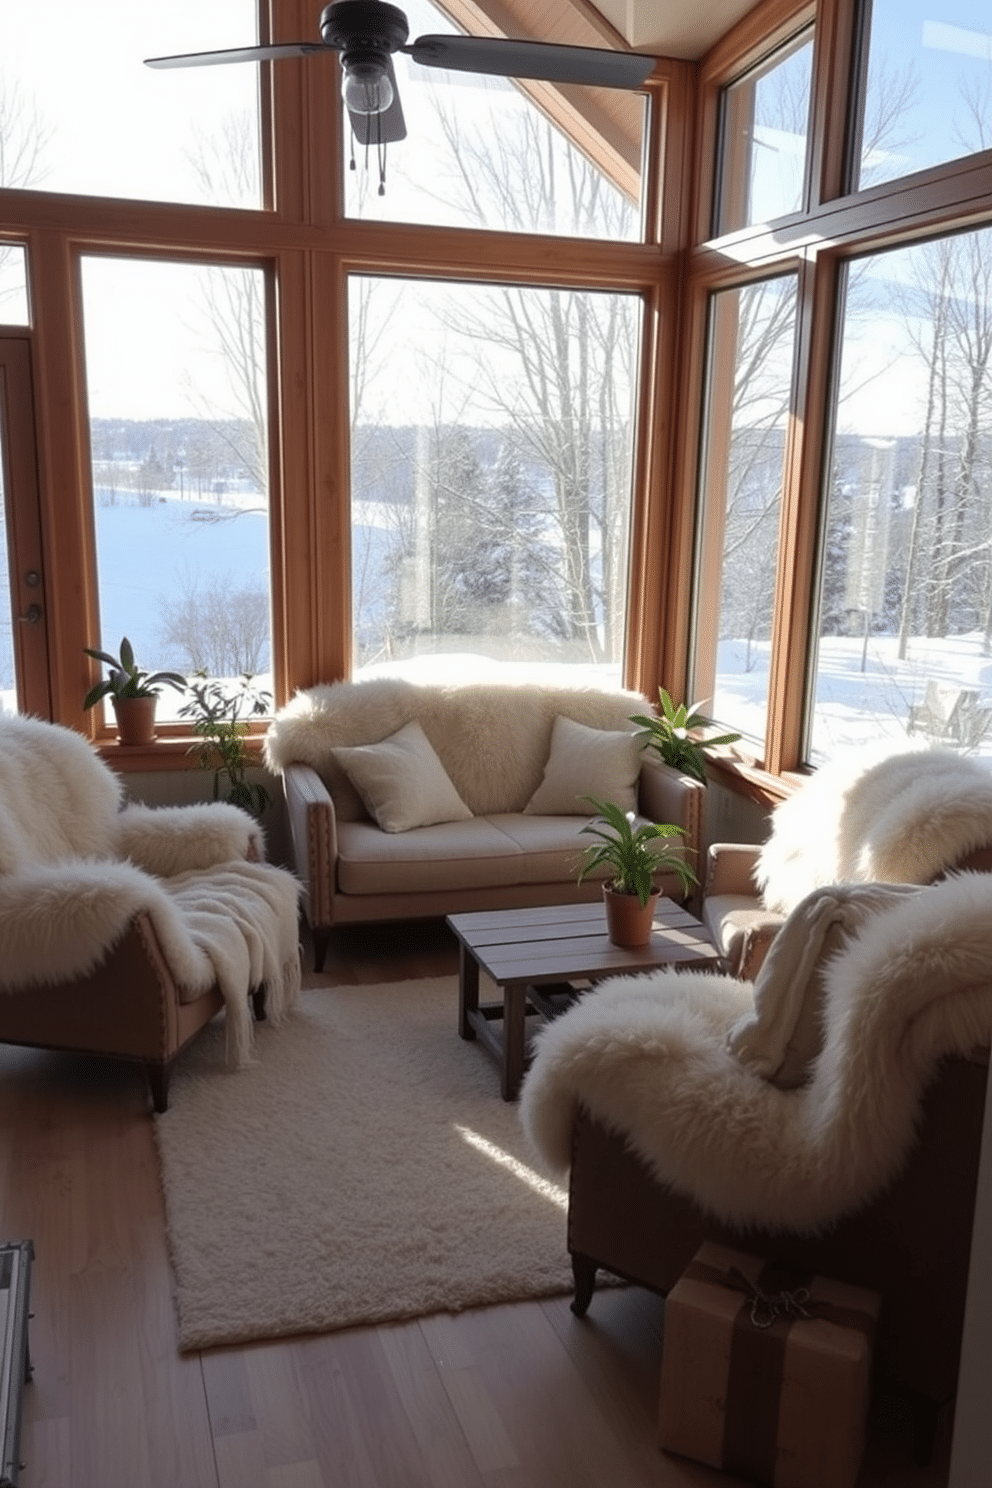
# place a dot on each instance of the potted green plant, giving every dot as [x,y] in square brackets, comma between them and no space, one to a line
[132,692]
[673,735]
[220,717]
[630,894]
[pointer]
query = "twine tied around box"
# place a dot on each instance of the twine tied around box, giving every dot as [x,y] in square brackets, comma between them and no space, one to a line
[767,1307]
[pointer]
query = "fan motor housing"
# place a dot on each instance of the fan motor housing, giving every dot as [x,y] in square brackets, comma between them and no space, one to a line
[363,26]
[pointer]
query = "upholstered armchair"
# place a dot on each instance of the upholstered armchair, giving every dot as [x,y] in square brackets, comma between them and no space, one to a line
[125,930]
[827,1117]
[908,815]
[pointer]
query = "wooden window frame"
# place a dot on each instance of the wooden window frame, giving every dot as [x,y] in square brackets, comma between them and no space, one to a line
[834,226]
[310,248]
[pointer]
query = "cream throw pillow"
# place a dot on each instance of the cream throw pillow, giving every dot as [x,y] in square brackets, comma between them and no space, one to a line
[401,781]
[603,763]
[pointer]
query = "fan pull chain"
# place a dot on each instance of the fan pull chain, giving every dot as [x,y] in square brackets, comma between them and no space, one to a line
[381,153]
[381,148]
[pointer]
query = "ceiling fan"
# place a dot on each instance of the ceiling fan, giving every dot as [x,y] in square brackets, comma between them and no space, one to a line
[367,32]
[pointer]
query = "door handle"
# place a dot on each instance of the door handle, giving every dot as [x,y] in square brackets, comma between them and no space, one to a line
[31,615]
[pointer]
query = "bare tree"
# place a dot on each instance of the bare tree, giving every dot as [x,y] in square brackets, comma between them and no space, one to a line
[234,299]
[24,139]
[216,625]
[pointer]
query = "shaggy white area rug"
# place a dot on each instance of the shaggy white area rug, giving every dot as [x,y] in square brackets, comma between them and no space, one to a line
[363,1169]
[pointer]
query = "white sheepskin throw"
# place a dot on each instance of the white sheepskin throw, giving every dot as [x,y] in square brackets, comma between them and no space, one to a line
[75,869]
[234,924]
[493,739]
[648,1057]
[902,818]
[58,799]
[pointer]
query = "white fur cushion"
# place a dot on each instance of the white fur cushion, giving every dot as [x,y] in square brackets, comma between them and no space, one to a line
[603,763]
[402,782]
[783,1033]
[902,816]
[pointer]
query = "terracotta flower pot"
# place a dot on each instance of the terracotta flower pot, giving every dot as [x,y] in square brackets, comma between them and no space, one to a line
[135,719]
[628,921]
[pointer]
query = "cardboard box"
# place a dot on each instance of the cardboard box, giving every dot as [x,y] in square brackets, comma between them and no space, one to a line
[767,1375]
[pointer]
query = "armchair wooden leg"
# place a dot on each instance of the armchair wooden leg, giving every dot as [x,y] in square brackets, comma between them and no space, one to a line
[584,1274]
[321,940]
[158,1080]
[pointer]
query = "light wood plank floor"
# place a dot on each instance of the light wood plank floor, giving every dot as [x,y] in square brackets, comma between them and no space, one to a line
[522,1396]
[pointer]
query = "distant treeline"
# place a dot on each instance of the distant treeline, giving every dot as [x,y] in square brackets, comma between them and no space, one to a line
[171,454]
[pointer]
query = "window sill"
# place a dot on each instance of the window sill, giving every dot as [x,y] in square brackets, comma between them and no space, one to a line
[167,752]
[746,778]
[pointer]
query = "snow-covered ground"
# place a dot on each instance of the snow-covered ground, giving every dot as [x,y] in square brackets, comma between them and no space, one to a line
[864,692]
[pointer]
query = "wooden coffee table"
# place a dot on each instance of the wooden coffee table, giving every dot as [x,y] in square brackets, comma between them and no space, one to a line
[536,955]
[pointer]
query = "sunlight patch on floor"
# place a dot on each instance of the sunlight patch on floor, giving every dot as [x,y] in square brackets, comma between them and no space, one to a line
[542,1186]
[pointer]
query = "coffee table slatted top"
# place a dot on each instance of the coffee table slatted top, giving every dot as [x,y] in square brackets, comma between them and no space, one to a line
[536,956]
[570,941]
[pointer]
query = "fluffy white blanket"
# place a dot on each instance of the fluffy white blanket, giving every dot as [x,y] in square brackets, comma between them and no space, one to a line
[75,869]
[901,818]
[493,738]
[235,924]
[649,1057]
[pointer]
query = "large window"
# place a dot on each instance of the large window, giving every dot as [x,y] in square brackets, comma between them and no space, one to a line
[763,131]
[842,472]
[175,364]
[928,86]
[80,112]
[512,409]
[905,611]
[491,458]
[483,152]
[13,285]
[749,388]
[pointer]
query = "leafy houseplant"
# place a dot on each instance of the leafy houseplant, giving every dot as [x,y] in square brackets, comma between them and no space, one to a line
[628,852]
[220,719]
[670,735]
[132,691]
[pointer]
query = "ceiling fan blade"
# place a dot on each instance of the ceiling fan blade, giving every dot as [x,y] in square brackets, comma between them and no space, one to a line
[240,54]
[381,129]
[533,59]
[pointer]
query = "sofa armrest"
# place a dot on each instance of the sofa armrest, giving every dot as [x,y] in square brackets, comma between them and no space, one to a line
[732,911]
[730,869]
[667,795]
[314,837]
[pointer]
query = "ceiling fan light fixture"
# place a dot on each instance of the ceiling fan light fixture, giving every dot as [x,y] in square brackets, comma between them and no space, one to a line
[365,86]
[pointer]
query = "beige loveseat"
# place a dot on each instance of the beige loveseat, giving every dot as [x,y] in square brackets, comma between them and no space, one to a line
[494,841]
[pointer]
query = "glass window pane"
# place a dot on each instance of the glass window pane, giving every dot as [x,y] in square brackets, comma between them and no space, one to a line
[928,86]
[491,460]
[480,153]
[80,112]
[905,608]
[175,371]
[763,129]
[13,285]
[749,384]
